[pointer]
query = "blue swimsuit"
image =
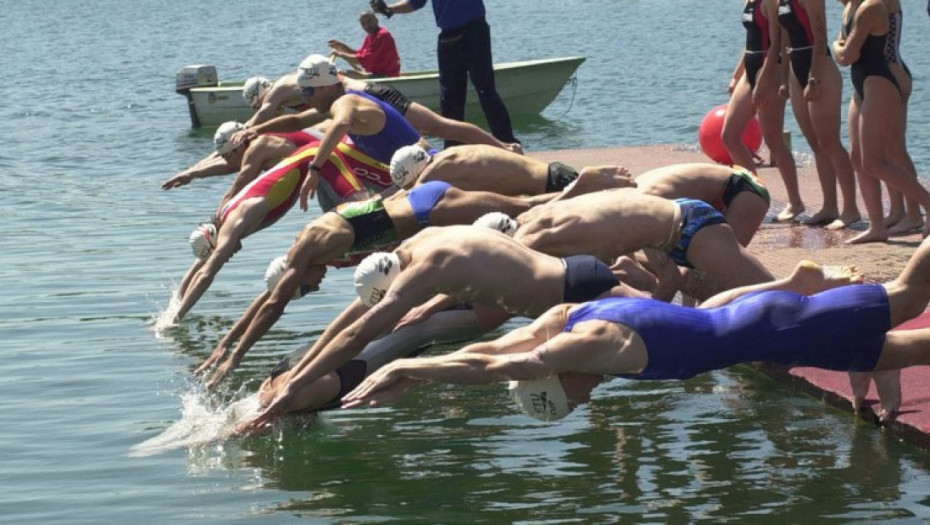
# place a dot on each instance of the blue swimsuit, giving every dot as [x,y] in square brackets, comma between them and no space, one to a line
[396,133]
[423,199]
[695,215]
[839,329]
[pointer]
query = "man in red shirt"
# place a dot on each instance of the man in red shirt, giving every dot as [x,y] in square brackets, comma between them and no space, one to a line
[378,55]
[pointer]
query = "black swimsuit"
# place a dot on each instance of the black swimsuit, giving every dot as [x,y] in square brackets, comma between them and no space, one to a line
[893,44]
[872,61]
[793,17]
[586,278]
[757,40]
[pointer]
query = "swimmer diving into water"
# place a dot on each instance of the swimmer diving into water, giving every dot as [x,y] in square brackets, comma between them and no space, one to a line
[843,327]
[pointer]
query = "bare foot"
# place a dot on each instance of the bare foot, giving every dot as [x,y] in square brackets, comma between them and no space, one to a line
[859,382]
[634,274]
[597,178]
[789,213]
[894,218]
[843,222]
[809,277]
[887,416]
[869,235]
[888,385]
[906,226]
[821,217]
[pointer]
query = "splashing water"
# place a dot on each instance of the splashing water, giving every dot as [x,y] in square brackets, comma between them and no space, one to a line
[200,424]
[165,319]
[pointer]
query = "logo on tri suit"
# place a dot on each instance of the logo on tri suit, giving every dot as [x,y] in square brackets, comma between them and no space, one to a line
[371,175]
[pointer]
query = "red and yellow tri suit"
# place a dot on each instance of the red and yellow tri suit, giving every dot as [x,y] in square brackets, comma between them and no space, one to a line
[346,172]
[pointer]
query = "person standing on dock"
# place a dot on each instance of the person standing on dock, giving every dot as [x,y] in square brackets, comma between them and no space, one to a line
[750,97]
[816,92]
[464,50]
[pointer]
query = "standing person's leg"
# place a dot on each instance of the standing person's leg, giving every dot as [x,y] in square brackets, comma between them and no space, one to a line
[772,122]
[825,114]
[830,209]
[481,72]
[898,151]
[740,111]
[453,76]
[881,102]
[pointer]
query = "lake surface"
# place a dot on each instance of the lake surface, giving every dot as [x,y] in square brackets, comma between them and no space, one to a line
[92,249]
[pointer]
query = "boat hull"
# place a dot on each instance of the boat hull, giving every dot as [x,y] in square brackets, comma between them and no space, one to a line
[526,87]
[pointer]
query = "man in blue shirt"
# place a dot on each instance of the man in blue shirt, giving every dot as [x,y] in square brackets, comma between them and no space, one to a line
[464,49]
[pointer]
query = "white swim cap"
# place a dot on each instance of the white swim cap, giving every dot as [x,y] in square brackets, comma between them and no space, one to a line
[407,164]
[254,89]
[374,276]
[544,399]
[497,221]
[275,271]
[203,240]
[316,71]
[223,134]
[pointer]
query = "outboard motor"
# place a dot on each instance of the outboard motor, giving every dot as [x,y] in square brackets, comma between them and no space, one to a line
[190,77]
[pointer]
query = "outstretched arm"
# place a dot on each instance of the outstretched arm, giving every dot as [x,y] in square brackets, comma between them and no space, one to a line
[343,112]
[354,329]
[290,122]
[204,276]
[271,106]
[234,333]
[210,166]
[402,7]
[477,363]
[257,320]
[319,360]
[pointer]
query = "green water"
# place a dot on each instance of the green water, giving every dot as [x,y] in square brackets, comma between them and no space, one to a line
[92,248]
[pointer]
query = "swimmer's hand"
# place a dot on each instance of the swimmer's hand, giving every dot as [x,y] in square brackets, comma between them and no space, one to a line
[223,371]
[263,421]
[177,181]
[218,353]
[383,387]
[308,190]
[243,135]
[421,313]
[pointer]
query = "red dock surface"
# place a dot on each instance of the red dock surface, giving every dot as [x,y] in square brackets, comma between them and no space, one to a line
[780,246]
